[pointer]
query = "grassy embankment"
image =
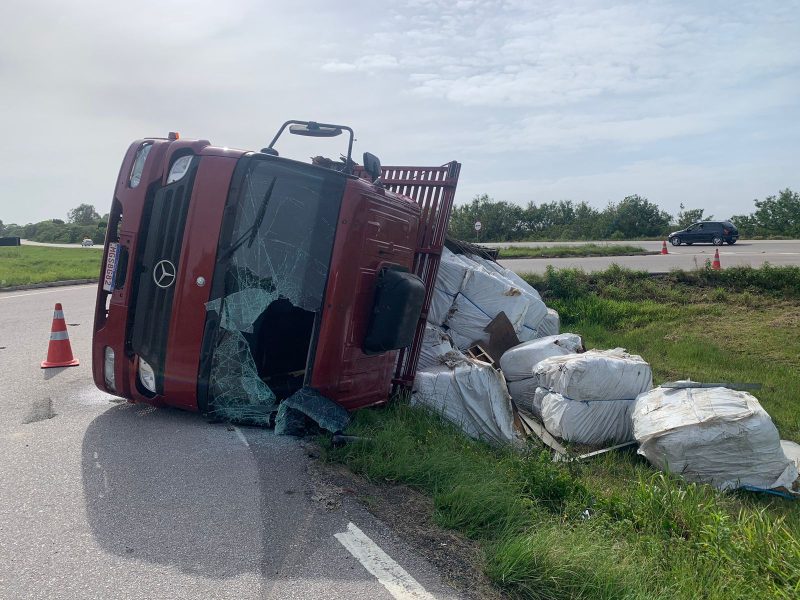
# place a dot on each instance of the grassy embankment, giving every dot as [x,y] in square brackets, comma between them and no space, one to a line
[579,250]
[21,265]
[647,535]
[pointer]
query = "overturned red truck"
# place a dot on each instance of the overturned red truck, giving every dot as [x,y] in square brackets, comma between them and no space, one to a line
[233,279]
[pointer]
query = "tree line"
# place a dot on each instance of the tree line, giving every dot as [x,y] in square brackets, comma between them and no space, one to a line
[501,221]
[82,222]
[633,217]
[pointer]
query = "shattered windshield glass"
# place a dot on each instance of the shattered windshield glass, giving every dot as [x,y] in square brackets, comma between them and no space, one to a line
[276,255]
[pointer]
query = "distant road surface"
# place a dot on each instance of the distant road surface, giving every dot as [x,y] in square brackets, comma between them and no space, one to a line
[32,243]
[754,253]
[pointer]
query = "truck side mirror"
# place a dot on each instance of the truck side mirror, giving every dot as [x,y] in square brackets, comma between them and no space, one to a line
[372,165]
[314,129]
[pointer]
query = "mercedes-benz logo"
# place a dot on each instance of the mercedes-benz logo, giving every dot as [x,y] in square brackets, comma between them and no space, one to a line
[164,274]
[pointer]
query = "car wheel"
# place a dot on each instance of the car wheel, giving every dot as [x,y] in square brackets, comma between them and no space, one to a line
[676,241]
[717,241]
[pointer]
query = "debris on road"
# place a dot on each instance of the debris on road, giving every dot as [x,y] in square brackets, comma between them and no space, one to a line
[718,436]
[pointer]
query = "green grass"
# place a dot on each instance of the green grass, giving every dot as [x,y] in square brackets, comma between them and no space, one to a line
[647,535]
[573,251]
[22,265]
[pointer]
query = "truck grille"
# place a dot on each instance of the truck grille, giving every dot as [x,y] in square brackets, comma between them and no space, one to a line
[158,261]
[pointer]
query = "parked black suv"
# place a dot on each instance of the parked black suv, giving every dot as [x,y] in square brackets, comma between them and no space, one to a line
[712,232]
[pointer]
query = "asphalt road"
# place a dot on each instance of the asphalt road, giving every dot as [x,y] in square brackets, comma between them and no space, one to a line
[105,499]
[754,253]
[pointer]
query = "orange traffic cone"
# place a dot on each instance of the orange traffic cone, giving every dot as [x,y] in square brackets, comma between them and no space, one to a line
[664,247]
[716,264]
[59,352]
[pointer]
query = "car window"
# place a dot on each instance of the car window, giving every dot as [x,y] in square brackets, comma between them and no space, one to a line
[690,228]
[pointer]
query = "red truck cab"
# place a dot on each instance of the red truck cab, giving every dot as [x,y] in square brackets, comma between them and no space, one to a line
[232,279]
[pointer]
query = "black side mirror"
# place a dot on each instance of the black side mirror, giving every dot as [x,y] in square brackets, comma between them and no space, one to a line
[372,165]
[313,129]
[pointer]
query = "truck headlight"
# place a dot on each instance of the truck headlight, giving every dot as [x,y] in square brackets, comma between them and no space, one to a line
[147,376]
[138,165]
[179,168]
[108,369]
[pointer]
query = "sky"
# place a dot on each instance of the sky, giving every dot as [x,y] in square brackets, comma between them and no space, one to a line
[682,102]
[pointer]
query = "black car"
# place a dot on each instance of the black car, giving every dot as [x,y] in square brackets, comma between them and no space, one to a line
[706,232]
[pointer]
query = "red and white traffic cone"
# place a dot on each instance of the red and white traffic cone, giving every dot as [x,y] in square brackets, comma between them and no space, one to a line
[664,247]
[59,352]
[716,264]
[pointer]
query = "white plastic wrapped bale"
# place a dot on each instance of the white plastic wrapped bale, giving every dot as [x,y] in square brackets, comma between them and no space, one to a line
[518,362]
[449,279]
[527,396]
[481,299]
[521,283]
[536,308]
[489,265]
[435,345]
[549,325]
[712,435]
[472,395]
[595,375]
[591,422]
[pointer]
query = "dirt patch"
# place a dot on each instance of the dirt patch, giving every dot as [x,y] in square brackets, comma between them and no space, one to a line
[40,410]
[409,514]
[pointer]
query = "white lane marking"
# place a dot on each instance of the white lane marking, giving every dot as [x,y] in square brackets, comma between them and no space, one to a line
[63,288]
[241,436]
[392,576]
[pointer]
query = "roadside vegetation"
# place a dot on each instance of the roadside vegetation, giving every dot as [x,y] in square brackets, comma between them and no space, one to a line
[22,265]
[632,218]
[82,222]
[613,527]
[573,251]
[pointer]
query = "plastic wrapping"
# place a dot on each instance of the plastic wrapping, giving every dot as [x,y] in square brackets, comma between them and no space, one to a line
[536,308]
[596,375]
[521,283]
[449,279]
[712,435]
[472,395]
[435,345]
[518,362]
[587,422]
[527,396]
[549,325]
[481,299]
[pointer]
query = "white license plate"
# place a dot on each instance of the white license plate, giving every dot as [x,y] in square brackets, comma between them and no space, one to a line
[110,272]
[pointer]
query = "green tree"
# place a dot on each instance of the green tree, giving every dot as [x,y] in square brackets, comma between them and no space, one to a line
[779,215]
[500,221]
[85,214]
[636,216]
[693,215]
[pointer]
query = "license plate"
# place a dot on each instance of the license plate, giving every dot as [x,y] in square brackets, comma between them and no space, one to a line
[110,272]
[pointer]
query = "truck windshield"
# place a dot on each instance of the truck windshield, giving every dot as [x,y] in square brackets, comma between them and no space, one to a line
[270,283]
